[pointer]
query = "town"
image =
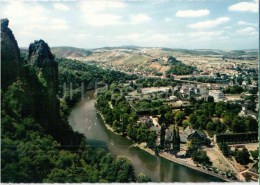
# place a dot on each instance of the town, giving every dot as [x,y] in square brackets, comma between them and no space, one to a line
[210,126]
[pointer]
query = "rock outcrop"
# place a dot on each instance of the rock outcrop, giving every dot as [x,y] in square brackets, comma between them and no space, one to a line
[41,57]
[46,67]
[10,55]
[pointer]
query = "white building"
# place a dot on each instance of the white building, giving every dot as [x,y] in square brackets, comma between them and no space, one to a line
[218,95]
[174,98]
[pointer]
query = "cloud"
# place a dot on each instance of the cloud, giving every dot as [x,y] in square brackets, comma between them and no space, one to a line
[202,34]
[244,23]
[59,24]
[103,19]
[150,38]
[248,31]
[60,6]
[52,25]
[192,13]
[101,5]
[139,18]
[96,13]
[209,23]
[32,21]
[168,39]
[17,11]
[131,37]
[167,19]
[245,7]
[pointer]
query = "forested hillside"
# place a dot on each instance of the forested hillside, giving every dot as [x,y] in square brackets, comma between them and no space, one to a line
[37,143]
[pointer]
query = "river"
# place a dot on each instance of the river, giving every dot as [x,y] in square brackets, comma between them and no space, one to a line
[84,119]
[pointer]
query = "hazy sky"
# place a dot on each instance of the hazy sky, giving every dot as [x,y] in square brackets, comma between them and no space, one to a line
[191,24]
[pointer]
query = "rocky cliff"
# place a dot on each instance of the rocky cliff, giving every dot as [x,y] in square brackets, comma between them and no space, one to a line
[41,57]
[46,67]
[10,55]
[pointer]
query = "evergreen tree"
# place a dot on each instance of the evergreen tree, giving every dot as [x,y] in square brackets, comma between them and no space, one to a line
[162,136]
[176,140]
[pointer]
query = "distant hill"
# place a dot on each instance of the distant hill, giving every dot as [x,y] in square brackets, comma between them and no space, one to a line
[132,47]
[251,54]
[70,52]
[195,52]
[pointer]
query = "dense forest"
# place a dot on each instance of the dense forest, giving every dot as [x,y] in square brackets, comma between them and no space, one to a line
[37,143]
[84,76]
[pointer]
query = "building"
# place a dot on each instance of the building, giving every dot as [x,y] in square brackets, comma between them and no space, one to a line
[174,98]
[218,95]
[146,120]
[189,134]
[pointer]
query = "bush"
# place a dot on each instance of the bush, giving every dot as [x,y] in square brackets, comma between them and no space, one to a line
[201,157]
[242,156]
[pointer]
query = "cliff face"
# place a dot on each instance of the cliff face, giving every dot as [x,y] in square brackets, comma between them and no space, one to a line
[42,59]
[10,55]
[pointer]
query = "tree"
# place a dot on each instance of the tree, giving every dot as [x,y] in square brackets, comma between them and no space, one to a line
[169,118]
[124,170]
[251,123]
[176,139]
[162,135]
[179,117]
[143,178]
[221,127]
[185,123]
[116,125]
[225,149]
[255,154]
[220,108]
[188,110]
[193,146]
[202,121]
[193,120]
[211,127]
[242,156]
[236,89]
[201,157]
[151,141]
[210,99]
[228,119]
[239,80]
[238,124]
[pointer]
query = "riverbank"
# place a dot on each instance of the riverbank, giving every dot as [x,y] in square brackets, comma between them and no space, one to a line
[106,124]
[184,162]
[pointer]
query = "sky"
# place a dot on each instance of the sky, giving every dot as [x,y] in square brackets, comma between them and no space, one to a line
[187,24]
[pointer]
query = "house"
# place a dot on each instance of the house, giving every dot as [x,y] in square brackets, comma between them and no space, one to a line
[176,88]
[197,134]
[146,120]
[196,90]
[218,95]
[183,138]
[174,98]
[245,83]
[203,91]
[184,89]
[189,133]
